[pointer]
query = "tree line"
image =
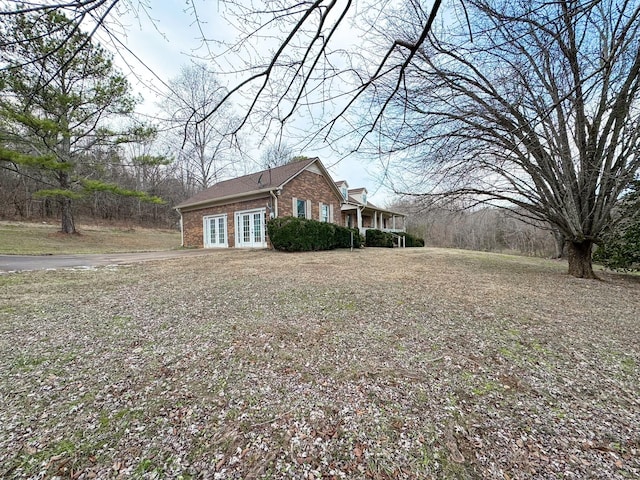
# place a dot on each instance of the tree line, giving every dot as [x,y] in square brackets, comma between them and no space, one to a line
[70,140]
[485,228]
[121,195]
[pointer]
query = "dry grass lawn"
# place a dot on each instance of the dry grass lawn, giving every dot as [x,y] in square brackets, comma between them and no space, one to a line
[23,238]
[376,364]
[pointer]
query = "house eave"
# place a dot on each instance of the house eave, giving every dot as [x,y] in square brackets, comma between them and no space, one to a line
[353,206]
[226,199]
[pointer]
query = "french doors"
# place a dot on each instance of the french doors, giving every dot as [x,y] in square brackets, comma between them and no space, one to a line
[250,229]
[215,231]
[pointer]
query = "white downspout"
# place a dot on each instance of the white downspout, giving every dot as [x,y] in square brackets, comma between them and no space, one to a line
[181,230]
[275,204]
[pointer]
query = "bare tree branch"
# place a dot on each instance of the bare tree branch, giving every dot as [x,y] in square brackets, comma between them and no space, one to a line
[541,111]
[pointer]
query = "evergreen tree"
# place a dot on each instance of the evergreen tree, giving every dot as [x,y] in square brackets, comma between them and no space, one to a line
[59,93]
[620,248]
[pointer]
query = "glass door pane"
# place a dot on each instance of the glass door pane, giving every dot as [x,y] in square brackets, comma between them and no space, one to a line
[212,231]
[221,231]
[257,228]
[246,229]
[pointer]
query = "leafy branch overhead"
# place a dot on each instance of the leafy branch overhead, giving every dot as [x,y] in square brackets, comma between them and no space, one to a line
[91,186]
[45,162]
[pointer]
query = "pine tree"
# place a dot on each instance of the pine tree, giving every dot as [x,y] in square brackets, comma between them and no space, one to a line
[59,93]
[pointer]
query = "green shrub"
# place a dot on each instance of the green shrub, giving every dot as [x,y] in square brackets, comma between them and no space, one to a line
[378,238]
[620,247]
[294,234]
[620,250]
[343,237]
[412,240]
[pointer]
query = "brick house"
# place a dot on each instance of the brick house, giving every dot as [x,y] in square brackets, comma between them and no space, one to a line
[233,213]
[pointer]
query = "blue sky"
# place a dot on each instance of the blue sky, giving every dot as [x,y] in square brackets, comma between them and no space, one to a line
[165,36]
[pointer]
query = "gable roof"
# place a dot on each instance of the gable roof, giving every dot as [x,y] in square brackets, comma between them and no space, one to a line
[258,182]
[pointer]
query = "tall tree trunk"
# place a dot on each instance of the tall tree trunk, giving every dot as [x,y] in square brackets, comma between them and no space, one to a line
[68,225]
[560,243]
[580,259]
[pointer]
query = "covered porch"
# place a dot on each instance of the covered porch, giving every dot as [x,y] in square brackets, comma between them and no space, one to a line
[369,217]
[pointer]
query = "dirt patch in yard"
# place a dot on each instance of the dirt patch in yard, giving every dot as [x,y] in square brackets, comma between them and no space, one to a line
[374,364]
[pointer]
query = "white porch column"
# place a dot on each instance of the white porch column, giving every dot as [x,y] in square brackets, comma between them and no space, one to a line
[375,219]
[359,213]
[394,222]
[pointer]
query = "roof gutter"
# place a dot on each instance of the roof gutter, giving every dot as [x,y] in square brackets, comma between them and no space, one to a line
[377,209]
[213,201]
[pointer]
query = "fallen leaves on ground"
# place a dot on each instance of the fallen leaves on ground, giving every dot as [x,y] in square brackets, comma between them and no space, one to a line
[374,364]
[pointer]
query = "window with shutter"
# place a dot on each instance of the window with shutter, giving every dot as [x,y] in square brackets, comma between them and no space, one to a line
[324,212]
[300,210]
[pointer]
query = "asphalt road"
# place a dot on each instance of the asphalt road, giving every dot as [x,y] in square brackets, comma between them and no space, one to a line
[18,263]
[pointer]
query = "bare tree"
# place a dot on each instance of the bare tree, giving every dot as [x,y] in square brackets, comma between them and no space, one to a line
[324,57]
[204,144]
[276,155]
[539,111]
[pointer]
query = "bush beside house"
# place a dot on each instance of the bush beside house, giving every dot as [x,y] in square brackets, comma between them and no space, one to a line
[378,238]
[412,240]
[294,234]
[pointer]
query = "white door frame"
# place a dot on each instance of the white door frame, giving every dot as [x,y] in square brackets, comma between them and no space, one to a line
[256,239]
[209,242]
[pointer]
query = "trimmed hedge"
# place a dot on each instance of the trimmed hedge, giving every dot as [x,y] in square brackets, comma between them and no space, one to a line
[378,238]
[412,240]
[294,234]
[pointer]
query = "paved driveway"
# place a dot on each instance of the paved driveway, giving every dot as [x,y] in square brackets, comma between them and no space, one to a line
[17,263]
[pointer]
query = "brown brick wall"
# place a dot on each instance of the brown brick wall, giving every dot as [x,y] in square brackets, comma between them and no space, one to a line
[309,186]
[192,220]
